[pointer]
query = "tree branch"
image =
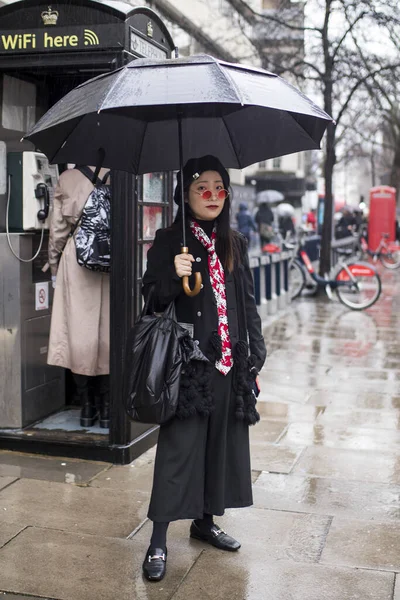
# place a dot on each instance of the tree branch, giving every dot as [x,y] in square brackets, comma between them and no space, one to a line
[346,33]
[359,83]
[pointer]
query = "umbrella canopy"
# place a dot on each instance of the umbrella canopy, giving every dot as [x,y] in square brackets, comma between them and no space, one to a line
[285,210]
[240,114]
[269,196]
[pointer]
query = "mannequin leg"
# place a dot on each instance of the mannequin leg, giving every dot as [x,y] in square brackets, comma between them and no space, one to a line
[88,408]
[104,393]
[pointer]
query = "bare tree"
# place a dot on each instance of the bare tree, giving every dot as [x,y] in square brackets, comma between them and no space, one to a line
[383,92]
[370,131]
[338,61]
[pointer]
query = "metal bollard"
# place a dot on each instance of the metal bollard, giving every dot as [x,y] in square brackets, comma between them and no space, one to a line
[285,257]
[265,284]
[268,281]
[274,266]
[255,267]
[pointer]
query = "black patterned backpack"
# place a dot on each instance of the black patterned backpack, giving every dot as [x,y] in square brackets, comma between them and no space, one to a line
[92,232]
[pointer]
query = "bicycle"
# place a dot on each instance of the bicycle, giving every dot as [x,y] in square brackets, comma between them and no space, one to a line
[356,283]
[387,252]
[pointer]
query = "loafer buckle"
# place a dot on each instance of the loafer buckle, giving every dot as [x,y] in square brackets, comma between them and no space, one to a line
[155,556]
[216,532]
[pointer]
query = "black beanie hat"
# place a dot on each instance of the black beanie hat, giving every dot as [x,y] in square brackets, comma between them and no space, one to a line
[194,168]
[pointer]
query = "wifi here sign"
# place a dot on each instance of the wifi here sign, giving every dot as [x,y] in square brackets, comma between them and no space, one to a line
[62,38]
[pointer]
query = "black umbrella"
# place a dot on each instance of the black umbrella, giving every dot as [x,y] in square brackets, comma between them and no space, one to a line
[149,115]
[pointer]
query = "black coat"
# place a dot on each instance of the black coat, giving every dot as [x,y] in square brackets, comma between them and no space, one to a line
[201,311]
[203,463]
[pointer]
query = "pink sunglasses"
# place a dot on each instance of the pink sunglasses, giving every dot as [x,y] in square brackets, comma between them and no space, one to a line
[207,194]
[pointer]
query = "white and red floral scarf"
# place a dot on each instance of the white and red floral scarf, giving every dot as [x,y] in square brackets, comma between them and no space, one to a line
[217,278]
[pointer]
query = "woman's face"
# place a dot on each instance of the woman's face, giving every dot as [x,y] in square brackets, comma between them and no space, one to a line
[210,209]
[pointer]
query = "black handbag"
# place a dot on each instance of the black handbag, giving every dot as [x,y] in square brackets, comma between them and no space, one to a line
[158,348]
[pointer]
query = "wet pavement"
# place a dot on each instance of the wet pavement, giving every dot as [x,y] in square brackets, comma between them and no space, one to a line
[325,524]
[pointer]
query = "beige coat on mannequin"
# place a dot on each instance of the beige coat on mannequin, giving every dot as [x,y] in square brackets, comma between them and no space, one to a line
[80,322]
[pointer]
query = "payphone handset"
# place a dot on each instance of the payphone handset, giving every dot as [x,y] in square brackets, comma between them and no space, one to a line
[42,192]
[32,184]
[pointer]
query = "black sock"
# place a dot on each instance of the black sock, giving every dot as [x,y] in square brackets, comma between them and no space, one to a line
[206,522]
[159,536]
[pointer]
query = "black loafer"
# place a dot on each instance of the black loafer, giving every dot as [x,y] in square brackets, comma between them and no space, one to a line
[155,564]
[215,536]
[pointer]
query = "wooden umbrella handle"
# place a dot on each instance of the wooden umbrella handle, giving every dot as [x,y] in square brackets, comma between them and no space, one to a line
[185,280]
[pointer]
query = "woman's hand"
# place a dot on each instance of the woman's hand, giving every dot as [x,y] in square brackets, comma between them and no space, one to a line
[183,264]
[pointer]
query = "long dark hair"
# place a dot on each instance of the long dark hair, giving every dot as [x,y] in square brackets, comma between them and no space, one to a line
[227,243]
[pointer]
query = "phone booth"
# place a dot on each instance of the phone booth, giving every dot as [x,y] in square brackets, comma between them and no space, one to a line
[382,215]
[46,51]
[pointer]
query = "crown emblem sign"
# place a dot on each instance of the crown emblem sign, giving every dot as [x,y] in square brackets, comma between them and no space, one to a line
[50,17]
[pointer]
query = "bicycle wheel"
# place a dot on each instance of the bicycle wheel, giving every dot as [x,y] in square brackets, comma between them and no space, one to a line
[297,279]
[364,285]
[391,260]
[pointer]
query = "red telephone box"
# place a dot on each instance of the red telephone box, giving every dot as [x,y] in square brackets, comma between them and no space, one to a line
[382,215]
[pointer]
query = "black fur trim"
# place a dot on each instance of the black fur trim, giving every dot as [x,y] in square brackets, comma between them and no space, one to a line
[196,395]
[243,385]
[214,350]
[195,390]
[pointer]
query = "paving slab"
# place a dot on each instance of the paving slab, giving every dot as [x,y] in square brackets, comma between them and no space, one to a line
[6,481]
[273,458]
[267,431]
[363,375]
[255,475]
[302,379]
[73,508]
[278,534]
[289,356]
[390,363]
[294,367]
[275,392]
[356,438]
[336,417]
[327,397]
[364,400]
[367,466]
[50,469]
[360,384]
[137,476]
[327,350]
[9,531]
[397,589]
[68,566]
[351,499]
[288,413]
[223,576]
[363,544]
[7,596]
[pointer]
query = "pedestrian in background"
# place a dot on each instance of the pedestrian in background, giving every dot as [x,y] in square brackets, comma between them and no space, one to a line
[346,223]
[264,219]
[202,464]
[80,320]
[358,218]
[286,226]
[311,219]
[245,221]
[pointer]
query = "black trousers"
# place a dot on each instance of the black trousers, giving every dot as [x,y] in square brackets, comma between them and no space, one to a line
[202,463]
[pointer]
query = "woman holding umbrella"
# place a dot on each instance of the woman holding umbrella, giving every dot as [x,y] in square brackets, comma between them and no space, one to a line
[203,461]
